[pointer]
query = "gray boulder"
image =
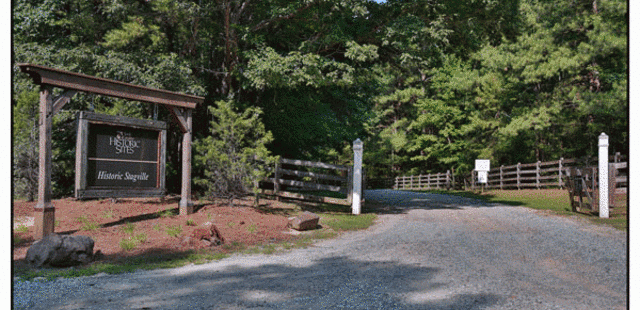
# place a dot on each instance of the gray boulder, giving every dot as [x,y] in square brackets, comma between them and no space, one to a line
[60,251]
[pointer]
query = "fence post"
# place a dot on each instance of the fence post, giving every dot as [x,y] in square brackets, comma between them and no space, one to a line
[560,173]
[538,175]
[453,179]
[613,174]
[518,175]
[501,177]
[350,185]
[357,176]
[473,180]
[448,179]
[276,177]
[603,174]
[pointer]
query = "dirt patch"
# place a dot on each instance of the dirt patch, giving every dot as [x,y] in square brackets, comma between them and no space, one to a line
[155,223]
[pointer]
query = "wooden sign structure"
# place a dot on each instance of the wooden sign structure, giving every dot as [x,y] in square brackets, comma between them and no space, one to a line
[120,157]
[180,106]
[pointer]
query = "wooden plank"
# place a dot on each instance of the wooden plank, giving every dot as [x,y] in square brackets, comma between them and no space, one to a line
[116,193]
[299,162]
[622,190]
[553,170]
[61,100]
[313,175]
[81,155]
[308,197]
[180,118]
[129,121]
[185,205]
[619,165]
[307,185]
[42,75]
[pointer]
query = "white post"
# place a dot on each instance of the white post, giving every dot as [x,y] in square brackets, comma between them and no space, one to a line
[357,176]
[603,174]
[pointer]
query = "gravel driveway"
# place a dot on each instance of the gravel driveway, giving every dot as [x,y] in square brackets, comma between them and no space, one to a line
[427,251]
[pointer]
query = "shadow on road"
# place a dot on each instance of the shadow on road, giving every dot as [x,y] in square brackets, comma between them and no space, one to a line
[388,201]
[327,283]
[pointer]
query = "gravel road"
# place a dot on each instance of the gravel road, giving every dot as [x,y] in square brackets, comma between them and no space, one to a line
[427,251]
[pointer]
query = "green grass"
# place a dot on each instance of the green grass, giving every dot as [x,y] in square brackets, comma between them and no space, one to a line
[108,214]
[146,262]
[174,231]
[347,222]
[191,222]
[128,244]
[129,228]
[166,213]
[554,200]
[87,224]
[22,228]
[252,228]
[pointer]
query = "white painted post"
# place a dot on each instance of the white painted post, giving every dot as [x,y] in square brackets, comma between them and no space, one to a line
[603,174]
[357,176]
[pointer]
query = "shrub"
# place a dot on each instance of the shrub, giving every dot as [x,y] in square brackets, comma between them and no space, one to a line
[234,158]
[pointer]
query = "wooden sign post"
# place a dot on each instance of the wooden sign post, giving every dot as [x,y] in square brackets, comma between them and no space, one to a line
[180,106]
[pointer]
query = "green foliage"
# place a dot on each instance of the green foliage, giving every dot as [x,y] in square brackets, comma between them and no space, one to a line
[234,157]
[25,145]
[428,85]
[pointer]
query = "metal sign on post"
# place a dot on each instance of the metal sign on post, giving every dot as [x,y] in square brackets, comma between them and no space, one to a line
[482,167]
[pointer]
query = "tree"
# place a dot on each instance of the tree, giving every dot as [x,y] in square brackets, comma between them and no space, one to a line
[234,157]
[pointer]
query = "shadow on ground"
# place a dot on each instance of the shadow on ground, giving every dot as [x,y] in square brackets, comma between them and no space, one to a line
[387,201]
[327,283]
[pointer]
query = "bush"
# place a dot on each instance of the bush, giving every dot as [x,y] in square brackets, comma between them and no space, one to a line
[234,158]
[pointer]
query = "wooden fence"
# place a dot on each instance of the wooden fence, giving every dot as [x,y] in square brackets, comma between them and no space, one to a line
[426,181]
[311,181]
[582,184]
[532,175]
[539,175]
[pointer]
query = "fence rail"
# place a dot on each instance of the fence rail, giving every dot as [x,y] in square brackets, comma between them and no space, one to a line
[311,181]
[539,175]
[426,181]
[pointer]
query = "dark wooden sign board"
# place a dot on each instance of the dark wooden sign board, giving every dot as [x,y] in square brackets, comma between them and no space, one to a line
[179,105]
[119,157]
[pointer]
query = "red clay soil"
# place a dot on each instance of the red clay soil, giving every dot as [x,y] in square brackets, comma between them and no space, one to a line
[239,223]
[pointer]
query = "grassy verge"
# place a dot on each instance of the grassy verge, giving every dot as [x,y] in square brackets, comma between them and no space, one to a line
[334,219]
[554,200]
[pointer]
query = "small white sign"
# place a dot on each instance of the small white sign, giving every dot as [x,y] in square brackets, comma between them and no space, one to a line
[483,165]
[482,177]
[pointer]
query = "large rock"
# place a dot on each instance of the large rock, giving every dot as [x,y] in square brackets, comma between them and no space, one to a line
[304,221]
[60,251]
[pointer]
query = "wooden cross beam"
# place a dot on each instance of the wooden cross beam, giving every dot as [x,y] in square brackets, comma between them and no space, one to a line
[180,106]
